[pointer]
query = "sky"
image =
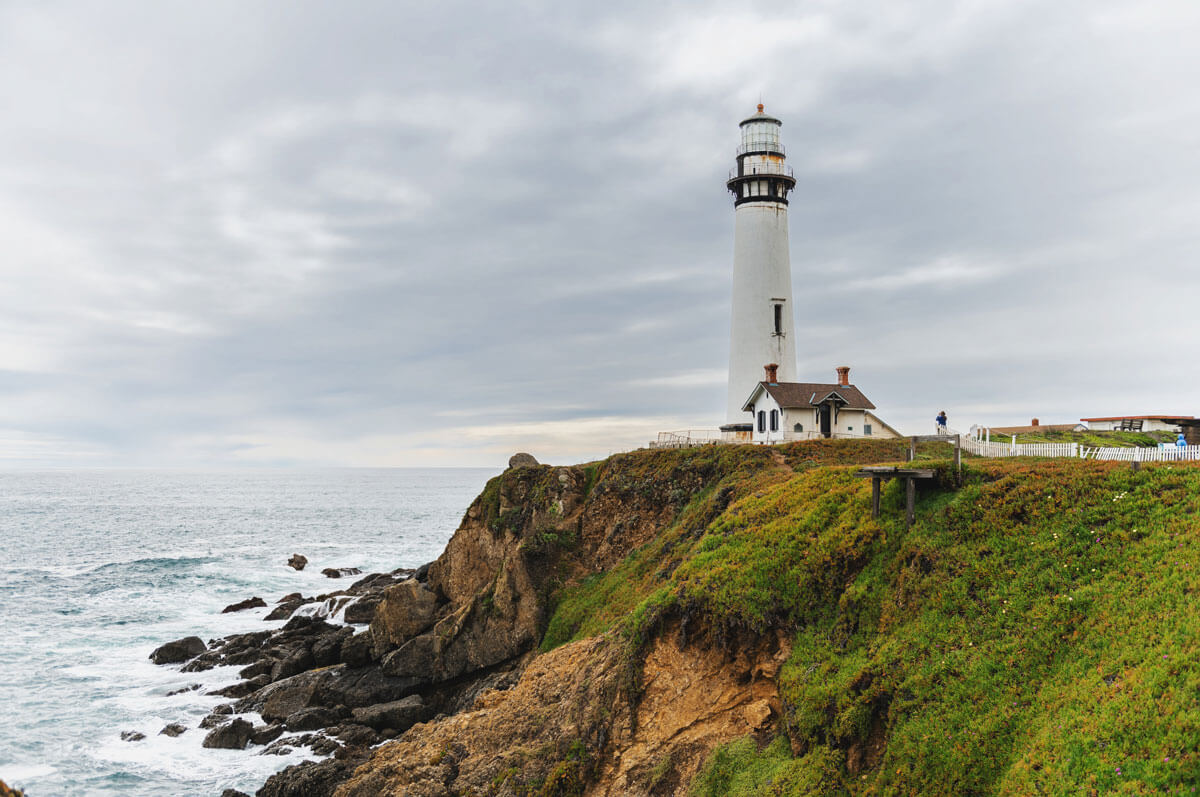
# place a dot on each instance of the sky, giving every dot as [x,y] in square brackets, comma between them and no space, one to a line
[390,233]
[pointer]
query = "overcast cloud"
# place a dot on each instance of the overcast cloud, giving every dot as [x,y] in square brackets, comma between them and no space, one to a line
[389,233]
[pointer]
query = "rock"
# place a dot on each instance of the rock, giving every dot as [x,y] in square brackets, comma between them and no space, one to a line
[361,611]
[413,659]
[298,561]
[179,651]
[234,735]
[260,667]
[174,729]
[265,734]
[310,779]
[522,460]
[191,688]
[327,648]
[282,703]
[354,735]
[312,719]
[249,603]
[222,709]
[399,714]
[407,609]
[240,689]
[212,721]
[338,572]
[234,793]
[132,736]
[285,610]
[357,650]
[290,597]
[422,573]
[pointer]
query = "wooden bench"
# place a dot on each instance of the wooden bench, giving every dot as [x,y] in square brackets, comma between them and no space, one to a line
[1131,425]
[910,475]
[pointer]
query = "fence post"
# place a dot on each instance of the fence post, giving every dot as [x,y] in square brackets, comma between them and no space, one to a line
[912,449]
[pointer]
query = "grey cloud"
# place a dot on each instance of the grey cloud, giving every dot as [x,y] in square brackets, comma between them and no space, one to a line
[288,232]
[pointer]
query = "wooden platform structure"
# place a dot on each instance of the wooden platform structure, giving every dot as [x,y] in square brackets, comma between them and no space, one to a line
[910,475]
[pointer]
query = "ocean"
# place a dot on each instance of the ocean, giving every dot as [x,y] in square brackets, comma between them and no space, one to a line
[98,568]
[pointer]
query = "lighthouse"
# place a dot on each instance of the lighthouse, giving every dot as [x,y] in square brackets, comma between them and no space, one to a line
[762,329]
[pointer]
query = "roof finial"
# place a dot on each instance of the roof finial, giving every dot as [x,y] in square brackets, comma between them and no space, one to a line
[760,108]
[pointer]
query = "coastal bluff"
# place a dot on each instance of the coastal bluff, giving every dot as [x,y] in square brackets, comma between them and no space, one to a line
[732,620]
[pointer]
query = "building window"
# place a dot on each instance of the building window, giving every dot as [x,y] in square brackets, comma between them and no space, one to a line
[798,427]
[849,428]
[779,319]
[774,420]
[762,421]
[866,428]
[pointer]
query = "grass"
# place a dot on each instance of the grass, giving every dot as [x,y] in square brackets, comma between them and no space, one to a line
[1101,439]
[1034,632]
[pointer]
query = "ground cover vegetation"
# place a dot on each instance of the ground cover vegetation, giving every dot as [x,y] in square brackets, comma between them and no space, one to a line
[1035,631]
[1091,438]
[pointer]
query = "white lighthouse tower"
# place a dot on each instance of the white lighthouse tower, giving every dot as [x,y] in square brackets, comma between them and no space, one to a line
[762,330]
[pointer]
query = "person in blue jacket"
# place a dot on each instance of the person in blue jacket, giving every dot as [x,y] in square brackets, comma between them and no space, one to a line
[1180,441]
[941,422]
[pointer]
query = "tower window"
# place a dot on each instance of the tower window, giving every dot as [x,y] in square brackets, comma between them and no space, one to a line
[778,319]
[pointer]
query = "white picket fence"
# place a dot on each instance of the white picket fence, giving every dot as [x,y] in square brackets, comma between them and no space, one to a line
[1161,454]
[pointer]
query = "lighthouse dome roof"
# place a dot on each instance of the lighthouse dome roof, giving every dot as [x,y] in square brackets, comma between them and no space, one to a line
[760,116]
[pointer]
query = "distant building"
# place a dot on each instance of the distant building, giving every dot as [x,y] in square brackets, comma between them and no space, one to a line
[1035,427]
[1138,423]
[783,411]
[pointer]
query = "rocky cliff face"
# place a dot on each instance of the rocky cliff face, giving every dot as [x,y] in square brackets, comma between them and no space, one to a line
[448,665]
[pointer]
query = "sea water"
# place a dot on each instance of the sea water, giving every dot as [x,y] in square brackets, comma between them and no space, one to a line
[98,568]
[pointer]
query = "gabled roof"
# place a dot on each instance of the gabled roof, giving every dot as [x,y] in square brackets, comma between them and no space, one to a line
[793,395]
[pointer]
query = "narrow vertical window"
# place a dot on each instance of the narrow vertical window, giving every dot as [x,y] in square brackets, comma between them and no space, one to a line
[774,420]
[762,421]
[867,429]
[778,319]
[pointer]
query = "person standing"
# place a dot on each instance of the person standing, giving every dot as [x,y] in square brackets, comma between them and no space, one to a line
[941,422]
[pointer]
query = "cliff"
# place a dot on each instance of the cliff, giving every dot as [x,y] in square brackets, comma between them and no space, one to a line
[731,620]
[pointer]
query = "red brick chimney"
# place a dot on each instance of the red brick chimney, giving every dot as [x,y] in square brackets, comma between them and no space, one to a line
[772,370]
[1035,422]
[843,374]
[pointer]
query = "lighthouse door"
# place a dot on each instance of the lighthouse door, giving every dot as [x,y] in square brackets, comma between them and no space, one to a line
[826,420]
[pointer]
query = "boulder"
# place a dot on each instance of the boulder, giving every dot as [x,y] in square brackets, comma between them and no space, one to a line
[265,734]
[356,651]
[249,603]
[174,729]
[191,688]
[354,735]
[282,703]
[361,611]
[338,572]
[132,736]
[178,651]
[285,610]
[312,719]
[310,778]
[298,561]
[413,659]
[234,793]
[399,715]
[522,460]
[407,609]
[234,735]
